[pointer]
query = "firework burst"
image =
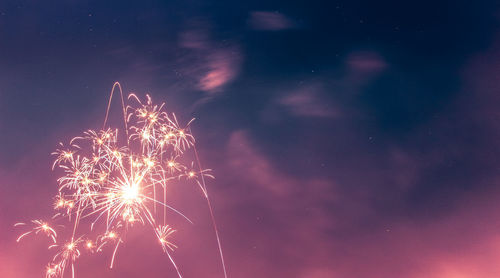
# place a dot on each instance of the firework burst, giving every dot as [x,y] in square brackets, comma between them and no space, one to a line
[118,184]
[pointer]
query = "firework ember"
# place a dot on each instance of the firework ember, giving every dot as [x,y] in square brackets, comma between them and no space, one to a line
[116,185]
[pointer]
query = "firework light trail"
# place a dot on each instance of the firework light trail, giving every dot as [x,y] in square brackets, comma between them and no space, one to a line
[116,185]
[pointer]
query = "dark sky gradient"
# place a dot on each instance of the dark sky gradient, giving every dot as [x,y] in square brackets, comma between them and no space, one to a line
[349,139]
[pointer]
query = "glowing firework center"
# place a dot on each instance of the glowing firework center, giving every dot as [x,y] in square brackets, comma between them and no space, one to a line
[117,186]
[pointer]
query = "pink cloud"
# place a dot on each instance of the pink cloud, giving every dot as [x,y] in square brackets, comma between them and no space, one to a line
[222,67]
[366,61]
[308,101]
[195,39]
[254,168]
[269,21]
[318,241]
[209,66]
[283,202]
[196,62]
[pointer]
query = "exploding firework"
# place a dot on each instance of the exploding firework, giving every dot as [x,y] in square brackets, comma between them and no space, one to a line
[118,184]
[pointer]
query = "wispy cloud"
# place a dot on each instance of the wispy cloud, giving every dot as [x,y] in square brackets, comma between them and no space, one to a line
[453,244]
[210,65]
[366,61]
[221,68]
[269,21]
[308,101]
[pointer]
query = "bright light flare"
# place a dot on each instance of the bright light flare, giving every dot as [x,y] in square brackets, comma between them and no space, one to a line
[130,193]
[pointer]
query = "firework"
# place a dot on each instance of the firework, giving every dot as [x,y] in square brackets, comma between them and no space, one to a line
[118,179]
[39,226]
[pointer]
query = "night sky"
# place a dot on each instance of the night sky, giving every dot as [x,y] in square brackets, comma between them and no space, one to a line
[349,139]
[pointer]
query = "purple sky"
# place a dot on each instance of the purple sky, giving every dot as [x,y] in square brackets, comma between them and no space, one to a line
[347,140]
